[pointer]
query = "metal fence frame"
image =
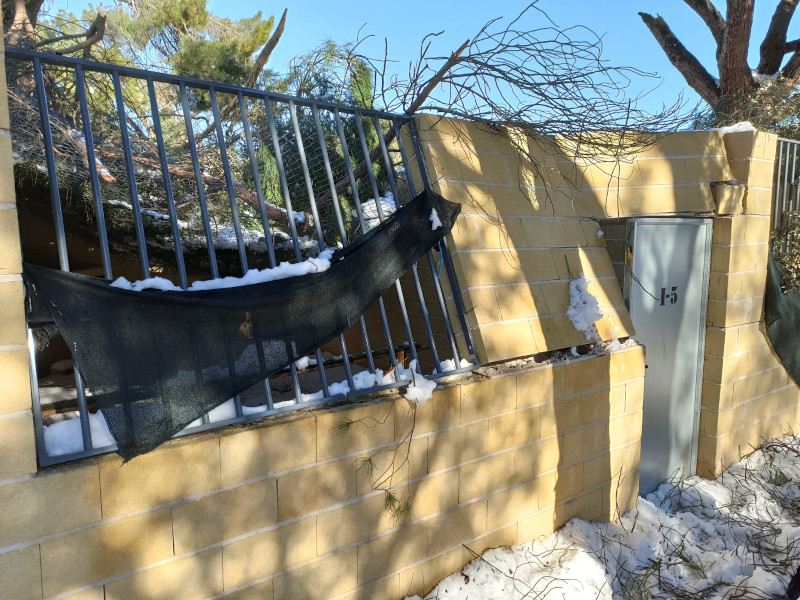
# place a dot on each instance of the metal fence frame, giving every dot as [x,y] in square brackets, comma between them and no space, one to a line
[397,123]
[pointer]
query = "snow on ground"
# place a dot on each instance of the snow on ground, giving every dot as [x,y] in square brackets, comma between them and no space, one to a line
[735,537]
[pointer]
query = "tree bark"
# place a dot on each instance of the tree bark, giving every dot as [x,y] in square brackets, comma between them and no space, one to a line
[693,72]
[774,48]
[735,77]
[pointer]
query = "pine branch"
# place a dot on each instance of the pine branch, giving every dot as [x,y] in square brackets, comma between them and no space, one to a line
[695,74]
[774,46]
[261,61]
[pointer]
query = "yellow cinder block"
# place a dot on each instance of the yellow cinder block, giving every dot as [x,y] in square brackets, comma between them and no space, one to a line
[106,551]
[455,446]
[196,576]
[488,397]
[263,554]
[519,301]
[537,458]
[537,526]
[391,466]
[482,305]
[50,503]
[261,451]
[174,471]
[421,578]
[456,527]
[443,411]
[316,487]
[259,591]
[372,425]
[587,374]
[510,505]
[502,341]
[514,429]
[12,313]
[17,446]
[21,574]
[479,478]
[627,364]
[540,384]
[434,493]
[322,579]
[358,521]
[624,459]
[10,255]
[391,552]
[224,515]
[507,536]
[16,381]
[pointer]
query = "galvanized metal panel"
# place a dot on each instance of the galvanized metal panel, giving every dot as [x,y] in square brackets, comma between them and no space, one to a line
[667,291]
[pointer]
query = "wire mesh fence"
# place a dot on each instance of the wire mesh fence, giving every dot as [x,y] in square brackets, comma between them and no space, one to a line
[123,172]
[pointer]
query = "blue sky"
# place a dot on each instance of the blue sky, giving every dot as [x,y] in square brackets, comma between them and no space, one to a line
[626,40]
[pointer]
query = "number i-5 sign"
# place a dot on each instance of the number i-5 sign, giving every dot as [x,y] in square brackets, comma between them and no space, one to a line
[672,296]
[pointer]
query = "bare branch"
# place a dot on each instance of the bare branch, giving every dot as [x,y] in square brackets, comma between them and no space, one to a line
[94,34]
[695,74]
[774,46]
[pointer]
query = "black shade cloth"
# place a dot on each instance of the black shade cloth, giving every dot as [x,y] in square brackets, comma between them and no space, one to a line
[782,319]
[155,360]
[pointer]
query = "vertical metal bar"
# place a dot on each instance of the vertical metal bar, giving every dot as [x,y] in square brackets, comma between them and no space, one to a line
[287,200]
[354,186]
[377,196]
[38,421]
[339,221]
[50,158]
[386,160]
[301,151]
[370,175]
[450,271]
[337,209]
[131,170]
[262,207]
[83,410]
[777,191]
[198,178]
[398,287]
[55,198]
[91,159]
[414,272]
[315,213]
[226,169]
[347,161]
[162,154]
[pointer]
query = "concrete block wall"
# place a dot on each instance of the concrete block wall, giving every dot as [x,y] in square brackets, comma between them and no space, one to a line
[524,231]
[748,396]
[17,445]
[281,509]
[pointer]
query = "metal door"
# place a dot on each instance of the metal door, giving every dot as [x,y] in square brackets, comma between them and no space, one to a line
[666,284]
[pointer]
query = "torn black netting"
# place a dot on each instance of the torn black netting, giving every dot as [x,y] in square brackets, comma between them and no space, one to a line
[157,360]
[782,319]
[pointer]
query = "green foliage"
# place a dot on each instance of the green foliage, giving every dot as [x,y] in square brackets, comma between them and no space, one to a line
[774,107]
[786,248]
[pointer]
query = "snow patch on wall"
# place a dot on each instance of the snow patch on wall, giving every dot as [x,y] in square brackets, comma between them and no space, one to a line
[584,309]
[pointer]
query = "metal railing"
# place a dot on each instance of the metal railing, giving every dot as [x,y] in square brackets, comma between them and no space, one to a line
[149,173]
[786,192]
